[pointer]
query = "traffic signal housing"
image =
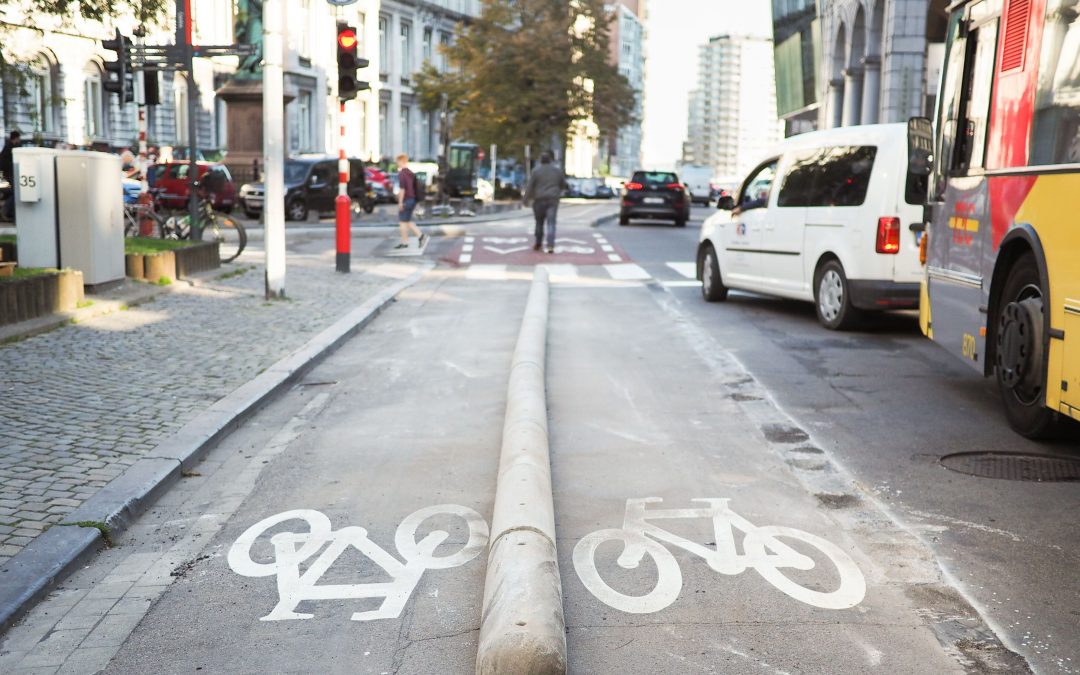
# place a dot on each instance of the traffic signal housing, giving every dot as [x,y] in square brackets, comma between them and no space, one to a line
[348,62]
[121,76]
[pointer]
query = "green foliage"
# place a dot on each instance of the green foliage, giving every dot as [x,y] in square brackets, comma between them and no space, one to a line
[146,11]
[519,72]
[151,245]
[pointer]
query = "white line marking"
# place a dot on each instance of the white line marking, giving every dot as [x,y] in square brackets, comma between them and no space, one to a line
[607,248]
[598,235]
[687,269]
[487,272]
[627,272]
[469,240]
[467,248]
[505,251]
[680,284]
[614,257]
[558,272]
[465,259]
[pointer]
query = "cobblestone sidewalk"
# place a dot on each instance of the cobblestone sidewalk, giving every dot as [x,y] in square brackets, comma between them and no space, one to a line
[80,404]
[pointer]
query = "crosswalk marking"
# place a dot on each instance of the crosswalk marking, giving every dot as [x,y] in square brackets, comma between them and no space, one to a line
[627,272]
[687,269]
[486,272]
[557,272]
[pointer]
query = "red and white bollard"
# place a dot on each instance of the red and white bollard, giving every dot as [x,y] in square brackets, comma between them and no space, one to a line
[343,205]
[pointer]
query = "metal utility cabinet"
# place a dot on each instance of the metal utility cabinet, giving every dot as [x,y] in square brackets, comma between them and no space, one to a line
[70,212]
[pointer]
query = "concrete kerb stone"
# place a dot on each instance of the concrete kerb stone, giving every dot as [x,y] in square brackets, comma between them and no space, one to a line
[522,629]
[51,557]
[605,220]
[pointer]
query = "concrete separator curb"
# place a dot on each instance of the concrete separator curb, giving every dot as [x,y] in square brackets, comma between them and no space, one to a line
[523,629]
[49,558]
[605,220]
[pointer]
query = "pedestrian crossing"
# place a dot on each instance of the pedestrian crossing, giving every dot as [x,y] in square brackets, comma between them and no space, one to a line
[675,274]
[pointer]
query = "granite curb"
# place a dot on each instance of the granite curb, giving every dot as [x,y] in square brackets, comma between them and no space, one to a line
[56,553]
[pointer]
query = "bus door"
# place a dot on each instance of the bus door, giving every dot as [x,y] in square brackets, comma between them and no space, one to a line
[958,269]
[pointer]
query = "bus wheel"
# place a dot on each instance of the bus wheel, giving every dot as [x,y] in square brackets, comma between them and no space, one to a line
[1020,361]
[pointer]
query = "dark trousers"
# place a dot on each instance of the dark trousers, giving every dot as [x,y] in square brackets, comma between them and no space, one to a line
[546,209]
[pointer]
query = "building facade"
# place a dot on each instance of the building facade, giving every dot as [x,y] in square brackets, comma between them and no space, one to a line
[622,150]
[797,35]
[882,60]
[732,120]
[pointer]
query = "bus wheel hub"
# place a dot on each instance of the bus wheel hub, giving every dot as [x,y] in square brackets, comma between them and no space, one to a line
[1020,345]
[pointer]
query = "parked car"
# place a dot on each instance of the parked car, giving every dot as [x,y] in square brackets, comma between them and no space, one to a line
[380,182]
[604,191]
[170,180]
[655,194]
[831,217]
[311,184]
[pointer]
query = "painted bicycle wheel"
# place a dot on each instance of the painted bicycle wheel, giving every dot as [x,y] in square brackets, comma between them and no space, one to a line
[635,548]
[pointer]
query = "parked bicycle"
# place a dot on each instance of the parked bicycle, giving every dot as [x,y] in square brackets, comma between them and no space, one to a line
[211,225]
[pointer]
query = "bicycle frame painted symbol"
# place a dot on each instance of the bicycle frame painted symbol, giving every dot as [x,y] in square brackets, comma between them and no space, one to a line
[762,551]
[292,549]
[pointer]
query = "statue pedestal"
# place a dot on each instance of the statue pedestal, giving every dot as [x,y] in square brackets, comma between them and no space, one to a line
[244,124]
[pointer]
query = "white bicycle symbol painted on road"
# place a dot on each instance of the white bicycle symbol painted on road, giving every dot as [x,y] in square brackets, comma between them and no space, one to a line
[292,549]
[762,551]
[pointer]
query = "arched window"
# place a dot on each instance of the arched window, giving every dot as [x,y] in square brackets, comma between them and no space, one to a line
[41,97]
[94,104]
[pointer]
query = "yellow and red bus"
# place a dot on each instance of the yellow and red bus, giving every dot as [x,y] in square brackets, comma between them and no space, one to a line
[1002,250]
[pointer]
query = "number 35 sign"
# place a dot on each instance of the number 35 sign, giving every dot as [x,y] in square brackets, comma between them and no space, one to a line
[29,180]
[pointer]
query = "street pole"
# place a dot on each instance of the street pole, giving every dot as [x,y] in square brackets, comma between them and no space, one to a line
[342,203]
[528,163]
[274,148]
[183,38]
[494,166]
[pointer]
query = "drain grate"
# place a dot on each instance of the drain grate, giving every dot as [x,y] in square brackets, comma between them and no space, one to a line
[1014,466]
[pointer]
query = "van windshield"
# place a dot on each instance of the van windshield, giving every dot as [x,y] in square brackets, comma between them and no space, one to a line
[838,176]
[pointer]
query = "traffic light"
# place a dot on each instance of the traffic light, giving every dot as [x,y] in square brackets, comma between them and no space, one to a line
[151,90]
[348,62]
[121,80]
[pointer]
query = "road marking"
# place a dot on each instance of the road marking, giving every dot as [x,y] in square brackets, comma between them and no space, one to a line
[687,269]
[680,284]
[506,251]
[486,272]
[762,551]
[558,272]
[293,549]
[607,248]
[469,240]
[465,258]
[627,272]
[467,248]
[614,257]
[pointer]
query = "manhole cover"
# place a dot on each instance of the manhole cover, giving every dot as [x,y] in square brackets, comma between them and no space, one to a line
[1014,466]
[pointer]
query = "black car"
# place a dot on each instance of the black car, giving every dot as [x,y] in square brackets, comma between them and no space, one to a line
[655,194]
[311,184]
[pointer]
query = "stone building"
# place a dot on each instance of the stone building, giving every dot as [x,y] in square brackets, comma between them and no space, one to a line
[882,59]
[622,151]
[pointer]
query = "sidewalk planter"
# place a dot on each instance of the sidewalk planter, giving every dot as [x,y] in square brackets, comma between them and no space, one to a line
[23,298]
[180,262]
[160,266]
[199,257]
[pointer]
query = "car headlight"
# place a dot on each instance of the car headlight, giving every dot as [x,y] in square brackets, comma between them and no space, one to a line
[245,190]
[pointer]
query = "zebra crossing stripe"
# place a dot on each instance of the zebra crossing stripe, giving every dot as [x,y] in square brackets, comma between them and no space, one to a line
[687,269]
[627,272]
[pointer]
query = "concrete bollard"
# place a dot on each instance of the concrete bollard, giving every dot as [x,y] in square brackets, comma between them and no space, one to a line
[523,630]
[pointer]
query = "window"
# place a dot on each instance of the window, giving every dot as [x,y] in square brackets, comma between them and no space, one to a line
[428,40]
[444,42]
[426,120]
[305,138]
[180,101]
[324,173]
[756,189]
[93,104]
[406,125]
[41,96]
[1055,138]
[384,47]
[654,178]
[406,50]
[978,79]
[829,177]
[303,29]
[384,130]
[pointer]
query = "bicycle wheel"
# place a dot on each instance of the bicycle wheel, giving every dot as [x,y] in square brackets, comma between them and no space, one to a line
[230,235]
[423,551]
[635,548]
[852,588]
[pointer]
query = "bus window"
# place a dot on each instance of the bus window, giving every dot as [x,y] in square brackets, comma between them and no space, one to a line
[978,80]
[1056,137]
[949,104]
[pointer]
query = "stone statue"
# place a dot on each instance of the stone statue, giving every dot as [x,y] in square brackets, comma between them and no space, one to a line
[249,30]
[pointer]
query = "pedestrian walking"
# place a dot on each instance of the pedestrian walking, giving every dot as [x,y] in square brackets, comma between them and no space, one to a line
[7,171]
[407,196]
[543,192]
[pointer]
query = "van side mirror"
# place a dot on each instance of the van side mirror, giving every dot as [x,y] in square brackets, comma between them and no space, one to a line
[725,203]
[920,146]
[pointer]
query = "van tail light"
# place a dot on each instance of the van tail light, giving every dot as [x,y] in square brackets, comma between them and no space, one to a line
[634,186]
[924,247]
[888,235]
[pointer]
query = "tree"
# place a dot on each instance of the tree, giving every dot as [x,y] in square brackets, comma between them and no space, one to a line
[526,70]
[146,11]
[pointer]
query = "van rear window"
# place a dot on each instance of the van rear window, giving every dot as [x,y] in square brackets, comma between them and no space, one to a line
[838,176]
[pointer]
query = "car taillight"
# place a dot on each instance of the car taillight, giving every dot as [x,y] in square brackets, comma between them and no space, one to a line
[888,235]
[924,247]
[675,186]
[634,186]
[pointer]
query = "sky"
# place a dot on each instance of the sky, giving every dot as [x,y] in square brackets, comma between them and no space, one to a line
[675,30]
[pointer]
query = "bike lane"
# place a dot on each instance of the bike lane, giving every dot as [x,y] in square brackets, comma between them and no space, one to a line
[311,539]
[643,404]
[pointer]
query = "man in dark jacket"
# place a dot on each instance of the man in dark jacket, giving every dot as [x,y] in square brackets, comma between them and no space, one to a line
[543,191]
[7,171]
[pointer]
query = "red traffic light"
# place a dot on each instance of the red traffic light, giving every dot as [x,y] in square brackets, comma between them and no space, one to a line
[347,38]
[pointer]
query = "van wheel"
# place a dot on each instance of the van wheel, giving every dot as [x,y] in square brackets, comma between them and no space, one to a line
[712,284]
[296,210]
[1020,351]
[832,297]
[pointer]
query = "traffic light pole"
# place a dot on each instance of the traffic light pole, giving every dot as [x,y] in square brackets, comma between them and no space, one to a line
[343,203]
[183,39]
[274,148]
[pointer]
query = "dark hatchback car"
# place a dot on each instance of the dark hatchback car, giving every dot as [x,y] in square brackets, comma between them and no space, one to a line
[311,184]
[655,194]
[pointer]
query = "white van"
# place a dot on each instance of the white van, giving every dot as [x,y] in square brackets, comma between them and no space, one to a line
[830,216]
[697,180]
